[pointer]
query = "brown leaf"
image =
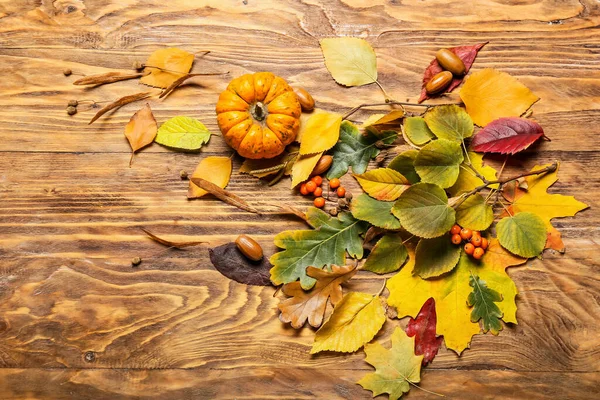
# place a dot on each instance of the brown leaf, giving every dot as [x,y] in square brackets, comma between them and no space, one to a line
[166,66]
[120,103]
[141,129]
[223,195]
[230,262]
[184,78]
[109,77]
[311,305]
[287,209]
[168,243]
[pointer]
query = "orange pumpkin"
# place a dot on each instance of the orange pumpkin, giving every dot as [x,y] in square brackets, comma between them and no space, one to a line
[258,115]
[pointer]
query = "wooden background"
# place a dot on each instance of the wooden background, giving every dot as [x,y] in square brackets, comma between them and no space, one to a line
[77,321]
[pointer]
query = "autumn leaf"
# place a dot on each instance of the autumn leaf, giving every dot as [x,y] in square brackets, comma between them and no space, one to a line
[141,129]
[422,328]
[545,205]
[439,162]
[214,169]
[416,131]
[355,320]
[311,305]
[223,195]
[166,66]
[491,94]
[109,77]
[355,149]
[327,244]
[405,164]
[170,243]
[507,136]
[450,122]
[474,213]
[120,102]
[263,167]
[408,292]
[435,257]
[395,369]
[523,234]
[351,61]
[483,300]
[388,255]
[467,180]
[423,210]
[302,168]
[383,183]
[383,119]
[231,263]
[466,53]
[183,133]
[320,133]
[376,212]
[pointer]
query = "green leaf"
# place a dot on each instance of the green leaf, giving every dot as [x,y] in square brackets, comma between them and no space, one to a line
[439,162]
[388,255]
[483,300]
[351,61]
[383,183]
[467,180]
[450,122]
[474,213]
[376,212]
[417,131]
[405,164]
[325,245]
[183,133]
[435,257]
[523,235]
[423,210]
[355,149]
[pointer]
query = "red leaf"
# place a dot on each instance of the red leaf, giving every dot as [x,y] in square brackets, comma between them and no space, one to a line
[423,328]
[507,136]
[466,53]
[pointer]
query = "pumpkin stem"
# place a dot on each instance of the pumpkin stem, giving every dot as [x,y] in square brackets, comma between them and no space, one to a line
[259,111]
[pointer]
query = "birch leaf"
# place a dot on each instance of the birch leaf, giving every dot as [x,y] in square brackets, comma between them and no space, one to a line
[183,133]
[351,61]
[141,129]
[166,66]
[213,169]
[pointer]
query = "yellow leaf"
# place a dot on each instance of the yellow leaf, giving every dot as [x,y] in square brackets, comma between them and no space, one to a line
[467,180]
[382,119]
[141,129]
[351,61]
[302,168]
[321,132]
[166,66]
[383,183]
[491,94]
[547,206]
[356,319]
[408,292]
[213,169]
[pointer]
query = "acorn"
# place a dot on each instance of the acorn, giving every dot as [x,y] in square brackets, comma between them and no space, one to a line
[249,247]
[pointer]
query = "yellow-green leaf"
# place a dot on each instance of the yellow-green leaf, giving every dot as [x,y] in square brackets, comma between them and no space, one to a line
[467,180]
[474,213]
[321,132]
[183,133]
[383,119]
[523,234]
[355,321]
[435,257]
[302,168]
[405,164]
[213,169]
[388,255]
[351,61]
[439,162]
[376,212]
[417,131]
[383,183]
[450,122]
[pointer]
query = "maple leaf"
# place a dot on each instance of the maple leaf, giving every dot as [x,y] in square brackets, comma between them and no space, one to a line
[311,305]
[355,320]
[545,205]
[466,53]
[231,263]
[166,66]
[483,300]
[141,129]
[213,169]
[408,292]
[507,136]
[427,343]
[395,369]
[323,246]
[351,61]
[320,132]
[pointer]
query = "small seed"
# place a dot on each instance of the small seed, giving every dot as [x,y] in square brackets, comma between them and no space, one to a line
[306,100]
[135,261]
[249,247]
[380,144]
[183,174]
[348,196]
[439,82]
[67,72]
[137,65]
[71,110]
[322,165]
[450,62]
[334,211]
[343,203]
[380,158]
[73,103]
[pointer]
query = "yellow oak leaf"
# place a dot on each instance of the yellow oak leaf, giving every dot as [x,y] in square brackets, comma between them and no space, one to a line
[213,169]
[351,61]
[490,94]
[320,133]
[547,206]
[165,66]
[467,180]
[408,292]
[356,319]
[302,168]
[141,128]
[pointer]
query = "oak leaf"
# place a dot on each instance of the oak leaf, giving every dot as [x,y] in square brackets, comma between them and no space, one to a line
[351,61]
[507,136]
[183,133]
[427,343]
[311,305]
[166,66]
[213,169]
[320,133]
[141,129]
[383,183]
[483,300]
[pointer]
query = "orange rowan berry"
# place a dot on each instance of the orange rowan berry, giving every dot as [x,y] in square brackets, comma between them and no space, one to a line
[341,191]
[311,186]
[455,230]
[303,190]
[456,239]
[469,248]
[476,240]
[334,183]
[319,202]
[478,253]
[317,180]
[484,243]
[318,192]
[466,233]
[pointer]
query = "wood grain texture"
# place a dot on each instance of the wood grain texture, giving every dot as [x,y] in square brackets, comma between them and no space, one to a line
[78,321]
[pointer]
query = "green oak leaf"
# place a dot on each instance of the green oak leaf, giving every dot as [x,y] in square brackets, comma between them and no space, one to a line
[405,164]
[388,255]
[523,234]
[450,122]
[434,257]
[325,245]
[483,300]
[439,162]
[417,131]
[423,210]
[355,149]
[474,213]
[183,133]
[376,212]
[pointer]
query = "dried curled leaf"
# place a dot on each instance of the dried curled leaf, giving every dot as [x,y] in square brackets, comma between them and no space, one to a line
[109,77]
[168,243]
[230,262]
[223,195]
[166,66]
[120,103]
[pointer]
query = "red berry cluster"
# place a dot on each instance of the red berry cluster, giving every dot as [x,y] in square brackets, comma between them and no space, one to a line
[314,186]
[475,246]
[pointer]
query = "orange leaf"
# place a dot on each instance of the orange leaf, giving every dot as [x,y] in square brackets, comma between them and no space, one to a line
[166,66]
[213,169]
[141,129]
